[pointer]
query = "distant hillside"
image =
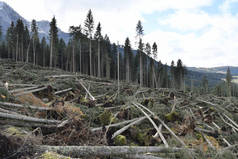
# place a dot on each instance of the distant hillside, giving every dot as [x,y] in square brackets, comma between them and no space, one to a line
[221,69]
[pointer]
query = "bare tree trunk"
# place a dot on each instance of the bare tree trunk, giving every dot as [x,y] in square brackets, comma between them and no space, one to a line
[90,57]
[73,59]
[118,70]
[34,52]
[27,52]
[17,48]
[51,50]
[141,70]
[99,69]
[127,69]
[80,56]
[88,151]
[108,75]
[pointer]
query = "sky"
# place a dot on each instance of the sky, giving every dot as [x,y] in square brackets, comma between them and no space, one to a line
[203,33]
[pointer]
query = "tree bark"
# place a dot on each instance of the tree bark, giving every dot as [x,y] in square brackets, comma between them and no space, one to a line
[27,118]
[51,50]
[88,151]
[99,69]
[141,70]
[18,106]
[90,57]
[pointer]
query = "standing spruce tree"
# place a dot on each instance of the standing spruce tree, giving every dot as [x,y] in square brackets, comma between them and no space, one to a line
[43,49]
[98,37]
[19,29]
[89,25]
[53,41]
[172,71]
[127,50]
[35,39]
[179,74]
[75,33]
[154,52]
[26,42]
[228,81]
[139,34]
[148,52]
[10,37]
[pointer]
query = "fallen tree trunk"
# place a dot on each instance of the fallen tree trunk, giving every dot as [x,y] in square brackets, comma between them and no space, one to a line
[13,105]
[155,126]
[118,132]
[31,91]
[87,151]
[116,124]
[162,122]
[22,89]
[63,91]
[28,119]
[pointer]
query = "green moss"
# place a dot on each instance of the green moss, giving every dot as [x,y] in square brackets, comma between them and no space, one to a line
[106,117]
[198,135]
[173,116]
[4,95]
[120,140]
[14,131]
[52,155]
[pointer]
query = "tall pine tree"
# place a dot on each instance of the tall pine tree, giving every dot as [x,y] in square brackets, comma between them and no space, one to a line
[139,34]
[89,25]
[53,41]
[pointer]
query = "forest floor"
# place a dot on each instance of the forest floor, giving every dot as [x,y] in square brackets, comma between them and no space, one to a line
[49,113]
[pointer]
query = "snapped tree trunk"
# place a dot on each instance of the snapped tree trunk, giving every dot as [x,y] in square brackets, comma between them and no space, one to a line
[17,48]
[80,56]
[127,69]
[141,70]
[34,52]
[90,58]
[99,69]
[73,60]
[51,50]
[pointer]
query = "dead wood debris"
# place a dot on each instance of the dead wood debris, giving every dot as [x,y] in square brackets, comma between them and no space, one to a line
[79,110]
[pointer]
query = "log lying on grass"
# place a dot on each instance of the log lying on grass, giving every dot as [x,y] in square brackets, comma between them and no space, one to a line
[27,118]
[63,91]
[13,105]
[31,91]
[22,89]
[86,151]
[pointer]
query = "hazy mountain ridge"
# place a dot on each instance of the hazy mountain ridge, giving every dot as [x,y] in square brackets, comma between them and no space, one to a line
[220,69]
[8,14]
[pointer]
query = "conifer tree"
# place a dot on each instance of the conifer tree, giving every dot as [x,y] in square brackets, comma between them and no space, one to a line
[10,37]
[19,29]
[89,25]
[154,52]
[148,66]
[53,41]
[98,37]
[75,33]
[43,49]
[139,34]
[172,71]
[127,50]
[34,32]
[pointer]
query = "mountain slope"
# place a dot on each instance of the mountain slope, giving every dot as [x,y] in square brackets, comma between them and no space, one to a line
[8,14]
